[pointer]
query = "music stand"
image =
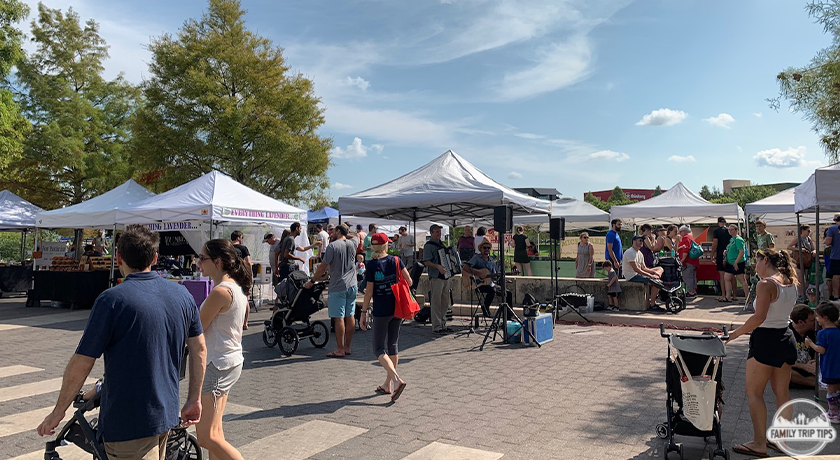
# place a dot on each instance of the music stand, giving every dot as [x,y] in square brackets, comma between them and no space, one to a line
[555,267]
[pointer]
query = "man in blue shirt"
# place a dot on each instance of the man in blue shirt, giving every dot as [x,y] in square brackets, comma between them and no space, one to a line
[613,251]
[832,239]
[140,326]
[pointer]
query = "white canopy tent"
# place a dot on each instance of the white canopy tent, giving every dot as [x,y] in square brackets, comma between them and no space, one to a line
[678,204]
[97,212]
[579,215]
[820,192]
[447,189]
[776,209]
[387,226]
[16,214]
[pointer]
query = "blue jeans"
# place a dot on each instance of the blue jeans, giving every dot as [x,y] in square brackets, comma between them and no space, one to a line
[342,304]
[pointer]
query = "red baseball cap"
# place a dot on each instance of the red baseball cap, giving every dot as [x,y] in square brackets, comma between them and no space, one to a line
[380,238]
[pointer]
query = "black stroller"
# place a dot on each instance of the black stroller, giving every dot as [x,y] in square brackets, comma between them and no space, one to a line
[291,322]
[694,361]
[82,432]
[671,290]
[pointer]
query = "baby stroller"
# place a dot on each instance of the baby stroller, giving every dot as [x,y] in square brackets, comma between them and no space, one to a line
[82,432]
[671,290]
[693,380]
[291,322]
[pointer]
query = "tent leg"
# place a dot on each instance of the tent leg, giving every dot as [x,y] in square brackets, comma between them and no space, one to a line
[113,255]
[800,262]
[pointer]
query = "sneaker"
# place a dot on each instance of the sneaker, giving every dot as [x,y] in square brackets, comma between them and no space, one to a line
[656,309]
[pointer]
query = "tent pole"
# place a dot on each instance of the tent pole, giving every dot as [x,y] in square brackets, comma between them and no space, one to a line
[817,283]
[113,255]
[22,245]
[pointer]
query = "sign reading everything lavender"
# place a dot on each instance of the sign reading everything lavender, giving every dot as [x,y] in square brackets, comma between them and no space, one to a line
[260,215]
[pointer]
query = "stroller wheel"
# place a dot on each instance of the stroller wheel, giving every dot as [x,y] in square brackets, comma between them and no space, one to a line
[682,452]
[320,335]
[289,340]
[269,337]
[662,431]
[677,305]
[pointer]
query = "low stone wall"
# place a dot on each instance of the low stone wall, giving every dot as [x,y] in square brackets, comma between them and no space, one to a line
[633,295]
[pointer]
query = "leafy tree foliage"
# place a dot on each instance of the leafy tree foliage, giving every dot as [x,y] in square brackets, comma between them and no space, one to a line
[77,147]
[710,194]
[618,196]
[13,126]
[814,90]
[591,199]
[657,191]
[220,97]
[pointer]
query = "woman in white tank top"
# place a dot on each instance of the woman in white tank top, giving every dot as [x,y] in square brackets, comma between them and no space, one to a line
[772,345]
[222,316]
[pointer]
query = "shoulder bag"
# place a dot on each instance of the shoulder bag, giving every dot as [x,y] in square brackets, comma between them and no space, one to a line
[405,306]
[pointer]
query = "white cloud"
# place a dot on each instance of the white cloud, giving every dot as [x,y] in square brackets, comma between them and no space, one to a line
[390,125]
[758,114]
[357,82]
[662,117]
[557,66]
[679,159]
[723,120]
[778,158]
[514,175]
[530,136]
[609,155]
[355,150]
[340,186]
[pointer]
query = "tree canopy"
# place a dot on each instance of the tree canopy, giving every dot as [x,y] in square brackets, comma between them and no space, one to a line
[13,126]
[814,89]
[220,97]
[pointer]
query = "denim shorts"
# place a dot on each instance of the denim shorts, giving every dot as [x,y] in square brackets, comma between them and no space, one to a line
[220,382]
[342,304]
[639,279]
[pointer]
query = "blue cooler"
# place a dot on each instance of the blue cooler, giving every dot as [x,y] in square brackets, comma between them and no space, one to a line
[514,332]
[542,328]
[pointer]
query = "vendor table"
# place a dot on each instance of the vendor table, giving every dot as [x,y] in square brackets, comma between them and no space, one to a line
[15,278]
[707,272]
[199,289]
[80,289]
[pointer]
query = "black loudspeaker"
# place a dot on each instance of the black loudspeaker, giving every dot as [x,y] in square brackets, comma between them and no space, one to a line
[503,219]
[557,228]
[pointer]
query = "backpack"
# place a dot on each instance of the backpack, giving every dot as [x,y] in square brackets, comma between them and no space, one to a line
[696,250]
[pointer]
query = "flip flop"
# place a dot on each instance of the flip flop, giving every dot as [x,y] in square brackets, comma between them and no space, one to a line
[722,299]
[334,355]
[347,353]
[398,392]
[744,450]
[772,445]
[381,391]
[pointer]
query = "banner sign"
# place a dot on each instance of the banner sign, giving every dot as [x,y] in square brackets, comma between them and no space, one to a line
[170,226]
[48,251]
[261,215]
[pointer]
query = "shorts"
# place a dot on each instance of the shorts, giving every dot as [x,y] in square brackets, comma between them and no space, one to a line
[639,279]
[833,268]
[719,259]
[736,269]
[773,347]
[219,382]
[342,304]
[612,294]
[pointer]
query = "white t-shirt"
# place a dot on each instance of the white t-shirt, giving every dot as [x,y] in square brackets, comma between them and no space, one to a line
[632,255]
[406,245]
[324,238]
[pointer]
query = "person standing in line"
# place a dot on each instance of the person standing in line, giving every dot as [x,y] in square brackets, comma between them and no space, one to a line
[406,247]
[479,237]
[772,349]
[340,263]
[735,260]
[243,253]
[439,284]
[361,235]
[288,247]
[140,326]
[763,238]
[372,228]
[832,240]
[689,265]
[273,251]
[466,244]
[380,275]
[520,252]
[222,315]
[324,238]
[585,261]
[804,244]
[720,239]
[613,251]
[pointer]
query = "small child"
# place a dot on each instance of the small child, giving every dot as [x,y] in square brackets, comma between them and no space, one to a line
[613,288]
[360,272]
[828,346]
[812,297]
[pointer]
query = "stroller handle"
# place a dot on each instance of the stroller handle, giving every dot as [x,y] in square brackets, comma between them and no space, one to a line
[662,332]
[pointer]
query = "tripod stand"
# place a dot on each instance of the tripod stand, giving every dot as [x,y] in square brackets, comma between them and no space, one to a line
[555,267]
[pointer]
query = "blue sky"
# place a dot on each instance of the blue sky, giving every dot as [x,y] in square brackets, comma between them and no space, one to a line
[577,94]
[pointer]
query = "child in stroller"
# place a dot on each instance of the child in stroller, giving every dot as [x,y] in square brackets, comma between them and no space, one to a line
[670,284]
[84,433]
[694,385]
[291,321]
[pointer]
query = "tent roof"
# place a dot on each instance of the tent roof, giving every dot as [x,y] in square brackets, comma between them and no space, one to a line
[449,188]
[213,196]
[321,215]
[99,211]
[578,214]
[16,213]
[776,209]
[677,204]
[821,190]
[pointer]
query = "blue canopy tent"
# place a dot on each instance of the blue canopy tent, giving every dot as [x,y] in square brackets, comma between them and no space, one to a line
[321,216]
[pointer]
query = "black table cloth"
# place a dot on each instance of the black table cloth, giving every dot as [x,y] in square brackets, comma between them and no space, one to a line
[80,289]
[14,278]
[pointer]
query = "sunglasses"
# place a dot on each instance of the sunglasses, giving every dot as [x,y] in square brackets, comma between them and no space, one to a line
[202,257]
[584,237]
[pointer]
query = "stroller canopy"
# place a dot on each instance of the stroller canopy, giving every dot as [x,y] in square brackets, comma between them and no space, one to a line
[708,345]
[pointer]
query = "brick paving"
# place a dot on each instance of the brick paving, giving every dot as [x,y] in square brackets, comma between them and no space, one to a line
[596,395]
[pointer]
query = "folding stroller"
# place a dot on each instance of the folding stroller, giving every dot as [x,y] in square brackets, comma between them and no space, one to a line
[291,322]
[671,290]
[694,390]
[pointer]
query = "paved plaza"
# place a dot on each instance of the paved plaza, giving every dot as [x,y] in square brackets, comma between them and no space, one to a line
[595,392]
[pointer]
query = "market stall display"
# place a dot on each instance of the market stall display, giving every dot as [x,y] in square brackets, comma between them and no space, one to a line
[77,288]
[16,215]
[677,205]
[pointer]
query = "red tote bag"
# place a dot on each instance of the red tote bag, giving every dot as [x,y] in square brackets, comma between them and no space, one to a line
[405,306]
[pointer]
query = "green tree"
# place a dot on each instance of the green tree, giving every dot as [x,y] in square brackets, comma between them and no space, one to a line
[657,191]
[220,97]
[744,195]
[77,147]
[814,90]
[617,196]
[709,194]
[591,199]
[13,126]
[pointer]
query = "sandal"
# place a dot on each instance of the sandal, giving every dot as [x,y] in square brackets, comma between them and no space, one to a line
[381,391]
[744,450]
[398,392]
[334,355]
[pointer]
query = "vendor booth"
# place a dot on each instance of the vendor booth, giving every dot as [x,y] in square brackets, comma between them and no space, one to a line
[820,195]
[16,215]
[321,216]
[775,210]
[579,215]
